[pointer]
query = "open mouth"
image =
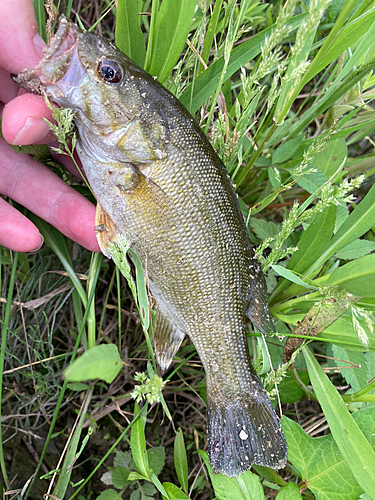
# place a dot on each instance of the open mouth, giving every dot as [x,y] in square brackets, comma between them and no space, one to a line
[61,69]
[59,53]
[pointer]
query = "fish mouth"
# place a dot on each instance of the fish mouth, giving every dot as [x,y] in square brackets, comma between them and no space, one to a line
[61,69]
[59,53]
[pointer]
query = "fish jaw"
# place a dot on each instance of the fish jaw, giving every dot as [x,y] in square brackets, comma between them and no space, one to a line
[61,70]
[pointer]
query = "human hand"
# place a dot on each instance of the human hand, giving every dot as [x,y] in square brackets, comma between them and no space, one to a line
[22,179]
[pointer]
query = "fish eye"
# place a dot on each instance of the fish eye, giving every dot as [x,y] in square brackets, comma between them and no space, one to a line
[109,71]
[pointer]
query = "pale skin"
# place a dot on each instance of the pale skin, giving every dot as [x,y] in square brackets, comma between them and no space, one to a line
[22,179]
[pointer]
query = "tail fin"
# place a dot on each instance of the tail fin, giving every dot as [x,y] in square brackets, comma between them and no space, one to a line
[243,431]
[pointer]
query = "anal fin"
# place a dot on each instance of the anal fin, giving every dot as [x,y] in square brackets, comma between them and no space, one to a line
[167,340]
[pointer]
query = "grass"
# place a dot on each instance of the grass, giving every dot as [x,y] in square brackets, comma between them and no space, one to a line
[284,92]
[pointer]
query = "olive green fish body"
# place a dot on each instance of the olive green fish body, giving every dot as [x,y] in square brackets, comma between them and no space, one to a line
[163,187]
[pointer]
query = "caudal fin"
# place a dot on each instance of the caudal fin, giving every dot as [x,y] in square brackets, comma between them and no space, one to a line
[243,431]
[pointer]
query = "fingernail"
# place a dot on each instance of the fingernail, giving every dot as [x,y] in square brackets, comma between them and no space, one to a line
[39,247]
[34,130]
[39,44]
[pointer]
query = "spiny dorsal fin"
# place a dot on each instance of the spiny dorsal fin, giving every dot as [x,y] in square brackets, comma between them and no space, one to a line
[167,340]
[258,311]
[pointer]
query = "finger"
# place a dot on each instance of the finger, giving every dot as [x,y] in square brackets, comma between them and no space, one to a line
[23,121]
[16,231]
[37,188]
[20,45]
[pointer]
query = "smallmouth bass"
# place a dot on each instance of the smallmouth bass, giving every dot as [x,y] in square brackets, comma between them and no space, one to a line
[159,183]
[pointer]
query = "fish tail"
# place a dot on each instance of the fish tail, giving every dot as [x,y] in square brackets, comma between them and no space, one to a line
[243,430]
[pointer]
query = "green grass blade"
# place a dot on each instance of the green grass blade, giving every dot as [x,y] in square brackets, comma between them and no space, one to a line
[55,240]
[71,454]
[180,460]
[173,26]
[128,35]
[198,92]
[141,291]
[339,39]
[40,16]
[208,39]
[355,448]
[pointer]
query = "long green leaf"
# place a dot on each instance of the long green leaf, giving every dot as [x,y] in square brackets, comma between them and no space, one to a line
[173,25]
[180,460]
[355,448]
[138,445]
[40,16]
[128,34]
[361,220]
[208,39]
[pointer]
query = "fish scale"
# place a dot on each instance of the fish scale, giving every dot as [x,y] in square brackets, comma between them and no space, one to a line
[160,184]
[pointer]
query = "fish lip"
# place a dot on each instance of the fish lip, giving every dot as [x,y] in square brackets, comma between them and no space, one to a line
[61,68]
[59,53]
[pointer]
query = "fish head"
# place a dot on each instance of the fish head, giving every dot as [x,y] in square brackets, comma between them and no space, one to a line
[113,99]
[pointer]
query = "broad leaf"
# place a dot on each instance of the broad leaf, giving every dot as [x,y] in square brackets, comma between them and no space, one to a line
[101,362]
[329,160]
[357,277]
[320,464]
[156,459]
[289,492]
[356,249]
[244,487]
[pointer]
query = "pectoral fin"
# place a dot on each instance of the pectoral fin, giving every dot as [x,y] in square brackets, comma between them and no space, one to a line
[167,340]
[149,203]
[105,229]
[258,311]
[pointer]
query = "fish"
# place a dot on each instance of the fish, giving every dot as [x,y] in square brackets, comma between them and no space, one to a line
[160,184]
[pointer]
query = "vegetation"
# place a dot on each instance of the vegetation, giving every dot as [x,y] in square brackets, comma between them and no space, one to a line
[284,91]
